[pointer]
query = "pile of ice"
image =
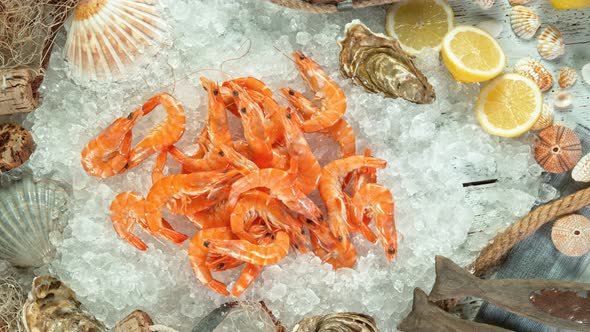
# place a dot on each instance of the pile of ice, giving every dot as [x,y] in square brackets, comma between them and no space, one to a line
[431,150]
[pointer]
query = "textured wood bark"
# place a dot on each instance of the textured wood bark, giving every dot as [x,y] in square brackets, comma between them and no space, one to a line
[16,91]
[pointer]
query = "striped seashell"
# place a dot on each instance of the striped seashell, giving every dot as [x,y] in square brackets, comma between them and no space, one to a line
[546,118]
[484,4]
[581,172]
[518,2]
[524,21]
[563,99]
[567,77]
[550,43]
[586,73]
[534,70]
[106,37]
[557,149]
[571,235]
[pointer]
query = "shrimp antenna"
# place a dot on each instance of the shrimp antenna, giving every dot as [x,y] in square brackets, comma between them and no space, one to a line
[283,53]
[249,41]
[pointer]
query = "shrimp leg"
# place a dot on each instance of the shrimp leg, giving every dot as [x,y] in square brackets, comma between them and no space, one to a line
[247,277]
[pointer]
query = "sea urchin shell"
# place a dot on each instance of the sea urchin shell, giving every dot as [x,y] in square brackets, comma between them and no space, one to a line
[524,21]
[557,149]
[571,235]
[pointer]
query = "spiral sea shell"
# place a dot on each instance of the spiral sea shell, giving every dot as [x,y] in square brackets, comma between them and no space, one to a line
[567,77]
[524,21]
[571,235]
[557,149]
[484,4]
[534,70]
[581,172]
[550,43]
[546,118]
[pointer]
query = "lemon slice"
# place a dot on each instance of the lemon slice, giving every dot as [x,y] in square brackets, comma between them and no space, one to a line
[509,105]
[419,24]
[570,4]
[472,55]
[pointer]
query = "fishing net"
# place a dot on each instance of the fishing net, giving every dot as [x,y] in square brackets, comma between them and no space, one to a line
[27,31]
[11,302]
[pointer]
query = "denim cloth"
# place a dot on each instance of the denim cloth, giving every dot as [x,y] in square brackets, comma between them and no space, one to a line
[537,258]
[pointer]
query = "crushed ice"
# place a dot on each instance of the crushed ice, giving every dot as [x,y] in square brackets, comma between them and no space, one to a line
[431,150]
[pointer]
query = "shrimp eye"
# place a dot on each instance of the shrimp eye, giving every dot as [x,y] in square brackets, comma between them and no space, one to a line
[301,56]
[221,154]
[130,116]
[291,92]
[205,88]
[296,246]
[391,251]
[309,221]
[216,92]
[288,115]
[321,218]
[243,110]
[220,266]
[303,231]
[236,93]
[272,237]
[206,244]
[126,166]
[339,238]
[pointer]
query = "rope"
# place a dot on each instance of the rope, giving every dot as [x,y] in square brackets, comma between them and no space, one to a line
[325,8]
[497,250]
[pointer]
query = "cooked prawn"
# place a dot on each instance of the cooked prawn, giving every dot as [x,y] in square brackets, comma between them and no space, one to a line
[258,254]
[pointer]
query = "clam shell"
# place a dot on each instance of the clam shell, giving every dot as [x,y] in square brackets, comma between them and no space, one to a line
[107,36]
[524,21]
[484,4]
[567,77]
[563,99]
[29,212]
[557,149]
[581,172]
[546,118]
[344,321]
[586,73]
[534,70]
[550,43]
[571,235]
[518,2]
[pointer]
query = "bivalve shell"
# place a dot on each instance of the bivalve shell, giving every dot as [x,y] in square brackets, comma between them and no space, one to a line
[546,118]
[30,211]
[581,172]
[524,21]
[571,235]
[484,4]
[586,73]
[518,2]
[563,99]
[550,43]
[534,70]
[557,149]
[567,77]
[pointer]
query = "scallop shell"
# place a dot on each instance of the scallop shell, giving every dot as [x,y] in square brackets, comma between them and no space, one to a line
[534,70]
[29,212]
[557,149]
[107,36]
[524,21]
[586,73]
[567,77]
[571,235]
[484,4]
[581,172]
[550,43]
[518,2]
[563,99]
[546,118]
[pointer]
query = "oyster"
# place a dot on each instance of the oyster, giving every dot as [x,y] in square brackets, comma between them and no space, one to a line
[53,307]
[344,321]
[240,316]
[378,64]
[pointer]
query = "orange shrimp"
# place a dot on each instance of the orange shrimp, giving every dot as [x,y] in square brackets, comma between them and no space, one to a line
[192,165]
[249,273]
[253,123]
[364,175]
[332,101]
[108,153]
[330,187]
[199,250]
[218,262]
[358,224]
[217,125]
[248,83]
[343,256]
[280,184]
[376,201]
[218,215]
[162,135]
[258,254]
[341,132]
[129,208]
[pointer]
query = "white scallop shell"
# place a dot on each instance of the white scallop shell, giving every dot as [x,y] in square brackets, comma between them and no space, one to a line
[29,212]
[586,73]
[550,43]
[546,118]
[484,4]
[567,78]
[492,27]
[563,99]
[107,36]
[534,70]
[581,172]
[524,21]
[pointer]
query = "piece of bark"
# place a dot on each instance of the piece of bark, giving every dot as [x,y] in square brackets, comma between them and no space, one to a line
[16,92]
[137,321]
[16,146]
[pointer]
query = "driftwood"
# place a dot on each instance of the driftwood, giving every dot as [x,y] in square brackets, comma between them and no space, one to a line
[16,92]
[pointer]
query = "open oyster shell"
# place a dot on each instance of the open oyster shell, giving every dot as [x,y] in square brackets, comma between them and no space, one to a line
[378,64]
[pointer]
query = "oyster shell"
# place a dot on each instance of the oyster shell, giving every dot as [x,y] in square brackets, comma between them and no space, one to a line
[30,211]
[550,43]
[534,70]
[53,307]
[378,64]
[345,321]
[524,21]
[16,146]
[240,316]
[567,77]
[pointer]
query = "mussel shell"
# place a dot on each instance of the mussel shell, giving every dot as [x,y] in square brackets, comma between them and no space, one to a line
[29,212]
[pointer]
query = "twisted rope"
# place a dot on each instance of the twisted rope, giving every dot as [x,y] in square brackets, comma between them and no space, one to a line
[327,8]
[497,250]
